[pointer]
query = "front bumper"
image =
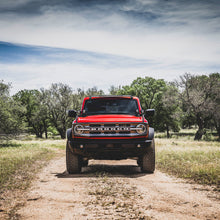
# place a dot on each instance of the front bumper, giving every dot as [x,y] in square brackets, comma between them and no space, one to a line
[109,148]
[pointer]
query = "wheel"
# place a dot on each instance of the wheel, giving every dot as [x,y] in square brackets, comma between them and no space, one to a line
[73,161]
[139,162]
[148,159]
[85,163]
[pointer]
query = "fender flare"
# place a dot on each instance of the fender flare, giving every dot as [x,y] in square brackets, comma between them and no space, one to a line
[69,134]
[151,133]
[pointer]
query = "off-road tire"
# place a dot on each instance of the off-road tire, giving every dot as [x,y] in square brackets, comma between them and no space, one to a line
[85,163]
[73,161]
[148,159]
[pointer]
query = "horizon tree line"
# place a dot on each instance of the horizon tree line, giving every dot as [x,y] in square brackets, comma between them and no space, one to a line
[192,100]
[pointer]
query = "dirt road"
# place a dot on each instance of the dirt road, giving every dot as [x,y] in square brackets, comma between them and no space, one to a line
[116,190]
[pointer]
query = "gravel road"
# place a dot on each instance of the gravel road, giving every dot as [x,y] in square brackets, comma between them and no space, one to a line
[116,190]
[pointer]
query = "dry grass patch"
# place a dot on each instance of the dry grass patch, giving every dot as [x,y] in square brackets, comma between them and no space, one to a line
[195,160]
[19,163]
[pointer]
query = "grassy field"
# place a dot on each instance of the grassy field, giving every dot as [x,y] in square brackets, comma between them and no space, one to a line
[20,160]
[194,160]
[198,161]
[19,163]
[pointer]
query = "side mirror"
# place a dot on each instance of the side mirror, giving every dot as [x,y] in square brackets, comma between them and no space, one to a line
[72,113]
[149,112]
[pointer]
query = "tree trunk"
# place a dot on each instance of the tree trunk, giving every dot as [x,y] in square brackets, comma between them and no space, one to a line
[39,134]
[46,136]
[200,132]
[37,131]
[218,132]
[217,126]
[168,132]
[62,133]
[45,129]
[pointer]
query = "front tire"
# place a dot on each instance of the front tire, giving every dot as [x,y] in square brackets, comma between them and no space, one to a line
[85,163]
[73,161]
[148,159]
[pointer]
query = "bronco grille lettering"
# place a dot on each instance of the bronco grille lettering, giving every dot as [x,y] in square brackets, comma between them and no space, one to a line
[110,129]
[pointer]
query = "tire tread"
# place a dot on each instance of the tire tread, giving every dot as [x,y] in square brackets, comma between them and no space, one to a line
[73,164]
[148,159]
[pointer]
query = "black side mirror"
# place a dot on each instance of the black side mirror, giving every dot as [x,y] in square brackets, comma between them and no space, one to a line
[72,113]
[149,112]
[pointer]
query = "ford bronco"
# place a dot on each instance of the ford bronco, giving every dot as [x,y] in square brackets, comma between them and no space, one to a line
[110,128]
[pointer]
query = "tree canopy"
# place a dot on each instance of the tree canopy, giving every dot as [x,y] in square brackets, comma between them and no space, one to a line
[11,121]
[200,97]
[192,100]
[155,93]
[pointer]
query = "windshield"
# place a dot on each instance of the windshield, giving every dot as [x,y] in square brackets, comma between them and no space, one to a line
[111,106]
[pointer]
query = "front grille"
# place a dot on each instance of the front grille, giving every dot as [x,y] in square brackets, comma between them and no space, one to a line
[110,128]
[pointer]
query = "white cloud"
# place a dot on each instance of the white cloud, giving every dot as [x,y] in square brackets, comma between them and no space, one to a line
[35,76]
[152,44]
[113,34]
[181,38]
[77,76]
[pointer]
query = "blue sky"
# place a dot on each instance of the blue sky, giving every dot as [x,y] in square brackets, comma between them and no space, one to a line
[86,43]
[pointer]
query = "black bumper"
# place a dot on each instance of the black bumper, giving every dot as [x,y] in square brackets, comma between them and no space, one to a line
[109,148]
[111,141]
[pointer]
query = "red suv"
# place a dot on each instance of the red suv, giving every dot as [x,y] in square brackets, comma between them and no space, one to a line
[110,128]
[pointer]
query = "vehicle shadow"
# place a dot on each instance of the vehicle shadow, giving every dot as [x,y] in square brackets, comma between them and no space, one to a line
[99,170]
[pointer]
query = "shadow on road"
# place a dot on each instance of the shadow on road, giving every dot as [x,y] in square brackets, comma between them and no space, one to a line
[98,170]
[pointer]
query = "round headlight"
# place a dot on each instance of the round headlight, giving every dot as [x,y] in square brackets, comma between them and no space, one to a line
[78,129]
[141,129]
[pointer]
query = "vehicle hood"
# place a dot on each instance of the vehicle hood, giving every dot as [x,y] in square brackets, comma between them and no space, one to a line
[110,118]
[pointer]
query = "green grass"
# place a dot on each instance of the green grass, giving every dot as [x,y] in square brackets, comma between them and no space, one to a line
[20,160]
[189,134]
[194,160]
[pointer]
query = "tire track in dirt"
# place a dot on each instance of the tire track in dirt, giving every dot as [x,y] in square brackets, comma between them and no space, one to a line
[116,190]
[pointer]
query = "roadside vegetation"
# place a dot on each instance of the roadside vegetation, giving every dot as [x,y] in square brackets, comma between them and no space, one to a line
[193,160]
[191,101]
[180,156]
[20,160]
[19,163]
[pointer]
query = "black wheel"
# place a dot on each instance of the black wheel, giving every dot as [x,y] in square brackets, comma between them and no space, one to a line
[148,159]
[139,162]
[73,161]
[85,163]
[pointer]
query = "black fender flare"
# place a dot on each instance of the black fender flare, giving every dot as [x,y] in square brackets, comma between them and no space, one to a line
[69,134]
[151,133]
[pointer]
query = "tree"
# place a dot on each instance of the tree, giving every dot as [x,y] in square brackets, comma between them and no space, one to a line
[215,99]
[94,91]
[58,100]
[148,89]
[114,90]
[156,94]
[169,110]
[199,99]
[10,112]
[40,118]
[35,114]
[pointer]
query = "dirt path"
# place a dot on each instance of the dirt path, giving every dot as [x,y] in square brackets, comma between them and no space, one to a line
[119,191]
